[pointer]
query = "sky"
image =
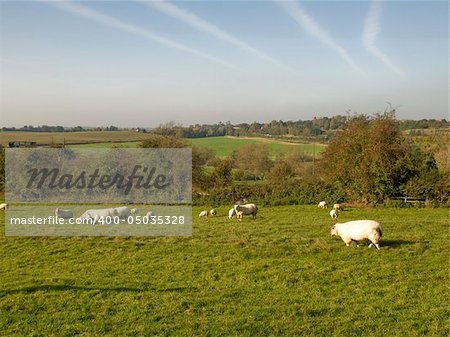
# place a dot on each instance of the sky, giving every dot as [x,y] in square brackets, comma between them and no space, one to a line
[142,63]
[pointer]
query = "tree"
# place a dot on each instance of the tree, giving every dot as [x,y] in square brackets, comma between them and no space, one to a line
[253,158]
[370,159]
[280,172]
[200,157]
[424,183]
[159,141]
[222,173]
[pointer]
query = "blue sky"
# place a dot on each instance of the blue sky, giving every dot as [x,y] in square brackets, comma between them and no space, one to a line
[139,63]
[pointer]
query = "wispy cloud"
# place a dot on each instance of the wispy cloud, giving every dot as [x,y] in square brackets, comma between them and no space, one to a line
[110,21]
[371,31]
[298,13]
[206,27]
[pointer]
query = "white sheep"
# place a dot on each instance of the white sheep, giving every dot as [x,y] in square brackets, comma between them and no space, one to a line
[213,212]
[337,207]
[322,204]
[358,230]
[231,213]
[97,214]
[203,214]
[124,211]
[334,213]
[64,213]
[150,214]
[3,206]
[247,209]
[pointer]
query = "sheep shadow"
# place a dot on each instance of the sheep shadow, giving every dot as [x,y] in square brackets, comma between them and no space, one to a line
[396,243]
[64,287]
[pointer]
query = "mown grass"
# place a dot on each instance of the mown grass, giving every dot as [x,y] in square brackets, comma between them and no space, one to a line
[105,137]
[281,274]
[224,146]
[105,145]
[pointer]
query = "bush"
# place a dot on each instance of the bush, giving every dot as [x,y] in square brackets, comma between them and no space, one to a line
[159,141]
[292,192]
[371,161]
[392,203]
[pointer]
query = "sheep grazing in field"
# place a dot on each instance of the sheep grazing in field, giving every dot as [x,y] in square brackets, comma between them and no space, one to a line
[334,213]
[124,212]
[337,207]
[3,206]
[231,213]
[64,213]
[213,212]
[358,230]
[203,214]
[247,209]
[239,215]
[96,214]
[322,204]
[149,214]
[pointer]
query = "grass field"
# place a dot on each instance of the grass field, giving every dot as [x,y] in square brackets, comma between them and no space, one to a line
[224,146]
[71,137]
[281,274]
[105,145]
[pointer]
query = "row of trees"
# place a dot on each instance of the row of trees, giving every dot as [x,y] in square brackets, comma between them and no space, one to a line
[305,128]
[369,160]
[300,128]
[409,124]
[59,128]
[44,128]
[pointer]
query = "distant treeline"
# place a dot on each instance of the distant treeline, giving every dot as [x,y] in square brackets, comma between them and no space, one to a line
[317,127]
[59,128]
[369,161]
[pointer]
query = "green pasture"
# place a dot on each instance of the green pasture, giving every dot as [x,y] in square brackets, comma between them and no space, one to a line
[105,145]
[83,137]
[279,275]
[224,146]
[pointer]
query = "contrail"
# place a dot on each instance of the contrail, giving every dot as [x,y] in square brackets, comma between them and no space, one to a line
[293,9]
[371,30]
[206,27]
[118,24]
